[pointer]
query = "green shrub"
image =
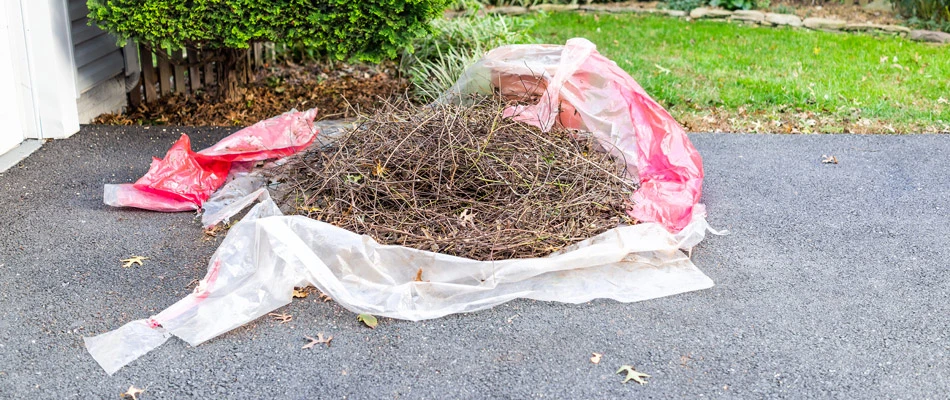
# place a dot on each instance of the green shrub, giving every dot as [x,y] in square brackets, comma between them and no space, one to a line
[734,4]
[684,5]
[931,14]
[440,58]
[366,30]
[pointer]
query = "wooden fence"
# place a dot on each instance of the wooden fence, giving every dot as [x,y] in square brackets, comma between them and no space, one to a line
[184,72]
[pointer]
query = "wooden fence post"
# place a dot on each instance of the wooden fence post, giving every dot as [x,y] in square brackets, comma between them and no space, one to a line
[164,74]
[209,69]
[179,66]
[148,73]
[193,75]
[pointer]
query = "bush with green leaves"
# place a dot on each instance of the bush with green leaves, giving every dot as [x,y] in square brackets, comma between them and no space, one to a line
[931,14]
[732,5]
[365,30]
[454,44]
[684,5]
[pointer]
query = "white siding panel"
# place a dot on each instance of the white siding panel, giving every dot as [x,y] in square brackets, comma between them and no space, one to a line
[104,68]
[77,9]
[97,56]
[82,31]
[92,50]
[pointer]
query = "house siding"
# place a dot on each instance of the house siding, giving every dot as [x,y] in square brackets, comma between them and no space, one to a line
[98,58]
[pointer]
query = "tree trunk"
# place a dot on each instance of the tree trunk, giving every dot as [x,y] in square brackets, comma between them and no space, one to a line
[232,73]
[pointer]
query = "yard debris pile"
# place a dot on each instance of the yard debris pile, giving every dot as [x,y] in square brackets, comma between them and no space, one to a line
[460,180]
[402,159]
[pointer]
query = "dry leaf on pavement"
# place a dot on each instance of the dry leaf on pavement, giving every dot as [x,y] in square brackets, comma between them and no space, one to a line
[128,262]
[633,374]
[595,358]
[368,319]
[829,159]
[133,392]
[282,318]
[316,341]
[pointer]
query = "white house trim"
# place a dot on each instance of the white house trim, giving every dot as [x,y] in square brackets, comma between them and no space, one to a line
[44,93]
[50,67]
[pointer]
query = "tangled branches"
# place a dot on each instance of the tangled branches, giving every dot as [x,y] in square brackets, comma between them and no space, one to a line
[459,180]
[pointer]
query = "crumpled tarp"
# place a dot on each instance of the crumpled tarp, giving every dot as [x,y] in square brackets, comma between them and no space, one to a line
[266,254]
[184,179]
[578,88]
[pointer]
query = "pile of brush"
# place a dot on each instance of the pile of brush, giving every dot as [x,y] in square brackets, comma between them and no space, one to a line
[459,180]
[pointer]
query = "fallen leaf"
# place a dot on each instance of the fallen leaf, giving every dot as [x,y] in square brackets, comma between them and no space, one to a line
[368,319]
[301,294]
[212,231]
[633,374]
[418,277]
[829,159]
[128,262]
[133,392]
[282,318]
[318,340]
[379,170]
[325,297]
[595,358]
[467,216]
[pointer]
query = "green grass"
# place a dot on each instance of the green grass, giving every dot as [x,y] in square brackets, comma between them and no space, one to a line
[724,76]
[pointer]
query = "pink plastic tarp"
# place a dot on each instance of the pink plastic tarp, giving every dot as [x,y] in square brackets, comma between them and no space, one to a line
[578,88]
[184,179]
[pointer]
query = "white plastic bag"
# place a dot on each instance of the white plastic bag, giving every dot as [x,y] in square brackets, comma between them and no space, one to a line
[266,254]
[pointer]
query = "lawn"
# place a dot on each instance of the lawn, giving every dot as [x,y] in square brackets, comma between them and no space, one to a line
[718,76]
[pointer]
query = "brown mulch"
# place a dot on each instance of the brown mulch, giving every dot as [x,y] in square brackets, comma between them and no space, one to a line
[338,91]
[853,13]
[461,181]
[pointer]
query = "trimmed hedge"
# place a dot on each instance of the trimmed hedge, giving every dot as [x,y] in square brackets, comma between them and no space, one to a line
[367,30]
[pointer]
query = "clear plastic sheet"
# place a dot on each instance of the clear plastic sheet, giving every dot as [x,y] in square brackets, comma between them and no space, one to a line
[266,254]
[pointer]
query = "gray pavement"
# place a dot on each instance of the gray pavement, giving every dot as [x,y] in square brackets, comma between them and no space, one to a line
[833,284]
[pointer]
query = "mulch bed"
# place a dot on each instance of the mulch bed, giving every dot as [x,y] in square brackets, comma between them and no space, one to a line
[338,90]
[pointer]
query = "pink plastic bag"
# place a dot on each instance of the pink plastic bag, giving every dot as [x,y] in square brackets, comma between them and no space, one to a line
[184,179]
[578,88]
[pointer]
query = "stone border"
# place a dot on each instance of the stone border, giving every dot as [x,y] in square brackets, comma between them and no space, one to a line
[743,16]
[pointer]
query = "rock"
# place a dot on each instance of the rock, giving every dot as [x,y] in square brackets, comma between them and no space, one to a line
[783,19]
[879,5]
[824,24]
[555,7]
[895,28]
[676,13]
[748,15]
[623,9]
[508,10]
[929,36]
[703,12]
[862,27]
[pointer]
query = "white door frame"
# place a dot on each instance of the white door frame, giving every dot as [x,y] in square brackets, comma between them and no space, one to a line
[11,110]
[43,67]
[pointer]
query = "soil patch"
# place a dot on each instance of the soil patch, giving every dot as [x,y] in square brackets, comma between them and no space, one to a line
[853,13]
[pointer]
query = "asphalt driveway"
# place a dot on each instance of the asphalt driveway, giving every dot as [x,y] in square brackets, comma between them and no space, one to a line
[835,283]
